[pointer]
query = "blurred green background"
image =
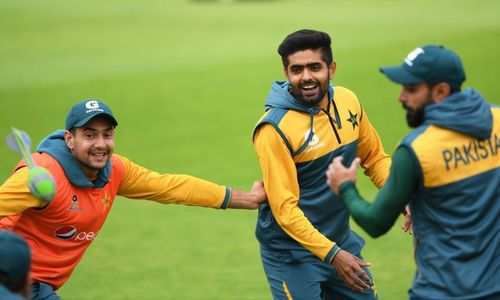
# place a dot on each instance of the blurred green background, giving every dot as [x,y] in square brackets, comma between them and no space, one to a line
[187,81]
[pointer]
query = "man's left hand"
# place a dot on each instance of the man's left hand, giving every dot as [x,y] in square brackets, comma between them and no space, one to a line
[338,174]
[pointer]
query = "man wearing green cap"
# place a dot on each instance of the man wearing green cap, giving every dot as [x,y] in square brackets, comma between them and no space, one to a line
[88,176]
[448,170]
[15,260]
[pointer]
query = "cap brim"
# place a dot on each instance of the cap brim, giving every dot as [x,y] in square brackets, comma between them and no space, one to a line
[87,119]
[399,75]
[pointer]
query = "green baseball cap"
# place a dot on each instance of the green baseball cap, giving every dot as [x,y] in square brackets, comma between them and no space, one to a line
[15,258]
[432,64]
[84,111]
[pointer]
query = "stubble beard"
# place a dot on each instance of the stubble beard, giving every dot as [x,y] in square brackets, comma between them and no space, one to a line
[297,92]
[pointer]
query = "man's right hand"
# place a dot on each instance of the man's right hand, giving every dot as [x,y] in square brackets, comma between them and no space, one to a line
[348,267]
[407,225]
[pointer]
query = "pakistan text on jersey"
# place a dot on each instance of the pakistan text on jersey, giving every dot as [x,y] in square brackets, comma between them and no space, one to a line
[471,152]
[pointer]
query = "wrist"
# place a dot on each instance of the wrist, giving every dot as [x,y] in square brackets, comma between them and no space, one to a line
[227,198]
[333,252]
[345,186]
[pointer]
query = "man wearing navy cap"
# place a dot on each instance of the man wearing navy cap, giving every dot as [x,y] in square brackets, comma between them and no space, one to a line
[15,260]
[448,170]
[88,176]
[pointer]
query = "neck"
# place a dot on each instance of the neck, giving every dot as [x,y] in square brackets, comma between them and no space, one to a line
[90,173]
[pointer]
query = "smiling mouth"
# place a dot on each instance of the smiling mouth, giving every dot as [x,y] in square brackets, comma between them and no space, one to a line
[309,86]
[100,155]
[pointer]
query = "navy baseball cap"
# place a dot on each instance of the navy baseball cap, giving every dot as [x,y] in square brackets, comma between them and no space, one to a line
[84,111]
[15,258]
[432,64]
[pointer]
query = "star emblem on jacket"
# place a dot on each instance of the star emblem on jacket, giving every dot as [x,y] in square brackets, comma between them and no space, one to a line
[353,119]
[105,201]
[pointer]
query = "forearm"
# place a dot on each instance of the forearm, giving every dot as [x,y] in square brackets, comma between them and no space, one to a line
[244,200]
[141,183]
[366,215]
[379,216]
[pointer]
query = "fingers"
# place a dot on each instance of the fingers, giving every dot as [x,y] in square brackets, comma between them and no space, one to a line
[349,268]
[354,282]
[337,161]
[407,225]
[362,272]
[259,193]
[259,184]
[355,164]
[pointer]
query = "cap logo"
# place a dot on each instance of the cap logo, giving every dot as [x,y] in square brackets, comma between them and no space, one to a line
[92,104]
[413,55]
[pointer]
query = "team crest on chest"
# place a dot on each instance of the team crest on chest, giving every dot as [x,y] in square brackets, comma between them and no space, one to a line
[74,204]
[105,200]
[353,118]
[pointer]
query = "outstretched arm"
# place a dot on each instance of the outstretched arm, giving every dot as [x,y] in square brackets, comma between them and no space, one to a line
[141,183]
[377,218]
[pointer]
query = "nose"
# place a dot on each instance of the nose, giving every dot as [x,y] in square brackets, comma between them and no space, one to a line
[306,75]
[402,96]
[100,142]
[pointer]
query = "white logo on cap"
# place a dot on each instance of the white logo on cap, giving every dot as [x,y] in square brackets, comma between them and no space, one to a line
[92,104]
[413,55]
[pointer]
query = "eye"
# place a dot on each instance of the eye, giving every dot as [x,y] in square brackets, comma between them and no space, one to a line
[316,67]
[296,69]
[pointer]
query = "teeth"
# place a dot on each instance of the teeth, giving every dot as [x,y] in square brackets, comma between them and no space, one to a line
[308,86]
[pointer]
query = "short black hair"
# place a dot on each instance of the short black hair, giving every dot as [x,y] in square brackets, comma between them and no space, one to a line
[306,39]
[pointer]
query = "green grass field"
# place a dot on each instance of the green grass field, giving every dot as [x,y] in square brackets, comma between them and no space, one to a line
[187,81]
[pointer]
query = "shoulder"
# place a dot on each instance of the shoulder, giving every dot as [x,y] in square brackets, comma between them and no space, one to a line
[119,162]
[345,93]
[273,116]
[345,97]
[416,133]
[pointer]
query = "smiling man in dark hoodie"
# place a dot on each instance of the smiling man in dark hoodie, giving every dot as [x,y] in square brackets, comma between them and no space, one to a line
[307,247]
[88,176]
[448,169]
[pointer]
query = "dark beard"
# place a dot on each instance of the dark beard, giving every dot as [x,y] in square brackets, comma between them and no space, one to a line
[415,117]
[297,93]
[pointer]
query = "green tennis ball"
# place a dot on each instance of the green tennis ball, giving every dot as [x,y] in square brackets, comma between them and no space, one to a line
[41,184]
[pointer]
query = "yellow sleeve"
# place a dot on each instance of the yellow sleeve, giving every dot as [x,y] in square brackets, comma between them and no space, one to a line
[280,179]
[15,197]
[141,183]
[371,152]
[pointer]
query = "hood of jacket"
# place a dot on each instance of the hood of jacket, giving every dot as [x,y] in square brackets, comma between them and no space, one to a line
[55,146]
[466,112]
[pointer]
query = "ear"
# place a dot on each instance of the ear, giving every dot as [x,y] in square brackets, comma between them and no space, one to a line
[440,92]
[331,69]
[69,138]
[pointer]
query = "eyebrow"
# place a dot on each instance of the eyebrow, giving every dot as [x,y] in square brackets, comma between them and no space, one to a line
[307,65]
[93,129]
